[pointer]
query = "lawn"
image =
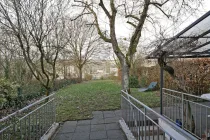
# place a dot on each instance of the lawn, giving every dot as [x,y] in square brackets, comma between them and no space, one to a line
[77,101]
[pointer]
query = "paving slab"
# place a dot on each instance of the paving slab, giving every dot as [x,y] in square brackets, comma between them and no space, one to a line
[98,116]
[98,135]
[64,136]
[83,122]
[112,126]
[112,139]
[82,128]
[115,134]
[109,114]
[111,120]
[68,127]
[103,126]
[71,123]
[81,136]
[97,121]
[118,113]
[98,127]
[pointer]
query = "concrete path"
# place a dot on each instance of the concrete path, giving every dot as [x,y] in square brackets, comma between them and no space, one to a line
[103,126]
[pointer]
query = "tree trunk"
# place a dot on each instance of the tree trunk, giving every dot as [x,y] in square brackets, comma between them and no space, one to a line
[48,90]
[64,72]
[80,74]
[7,70]
[125,76]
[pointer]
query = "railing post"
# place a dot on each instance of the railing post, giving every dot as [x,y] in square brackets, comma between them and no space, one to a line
[182,110]
[54,109]
[161,91]
[145,126]
[121,103]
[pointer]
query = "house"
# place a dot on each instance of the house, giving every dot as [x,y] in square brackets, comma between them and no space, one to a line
[97,69]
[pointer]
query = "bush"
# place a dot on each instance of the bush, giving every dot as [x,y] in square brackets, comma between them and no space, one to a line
[143,81]
[101,78]
[8,92]
[133,82]
[14,96]
[112,76]
[88,77]
[64,82]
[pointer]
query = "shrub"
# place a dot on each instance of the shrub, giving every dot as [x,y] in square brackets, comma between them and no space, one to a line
[133,82]
[101,78]
[143,81]
[112,76]
[8,92]
[64,82]
[13,96]
[88,77]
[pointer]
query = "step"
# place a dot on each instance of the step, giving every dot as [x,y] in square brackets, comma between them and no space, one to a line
[161,137]
[141,122]
[149,131]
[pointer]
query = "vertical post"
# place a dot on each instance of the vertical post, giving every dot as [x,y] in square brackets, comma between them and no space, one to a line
[121,103]
[182,110]
[161,90]
[145,123]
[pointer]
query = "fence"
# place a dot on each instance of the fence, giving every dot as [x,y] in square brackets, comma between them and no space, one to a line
[30,122]
[190,112]
[144,122]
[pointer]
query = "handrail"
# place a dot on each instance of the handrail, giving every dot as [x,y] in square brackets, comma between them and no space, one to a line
[186,100]
[25,108]
[147,116]
[160,116]
[186,94]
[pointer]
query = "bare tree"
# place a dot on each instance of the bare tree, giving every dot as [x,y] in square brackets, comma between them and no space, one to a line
[8,53]
[84,44]
[33,24]
[138,12]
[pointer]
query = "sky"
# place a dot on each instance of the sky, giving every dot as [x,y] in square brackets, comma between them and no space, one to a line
[124,30]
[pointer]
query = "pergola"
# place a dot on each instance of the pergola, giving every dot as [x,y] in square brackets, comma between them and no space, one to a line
[192,42]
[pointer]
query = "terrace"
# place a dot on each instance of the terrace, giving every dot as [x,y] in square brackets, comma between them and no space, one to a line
[180,116]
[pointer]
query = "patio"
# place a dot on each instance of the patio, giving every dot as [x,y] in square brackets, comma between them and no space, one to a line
[103,126]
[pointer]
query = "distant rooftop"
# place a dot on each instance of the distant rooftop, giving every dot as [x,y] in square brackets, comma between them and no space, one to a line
[192,42]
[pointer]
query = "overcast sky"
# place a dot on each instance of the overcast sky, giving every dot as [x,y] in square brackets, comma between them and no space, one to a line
[124,30]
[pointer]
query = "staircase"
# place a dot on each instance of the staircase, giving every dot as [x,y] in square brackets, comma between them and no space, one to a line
[146,124]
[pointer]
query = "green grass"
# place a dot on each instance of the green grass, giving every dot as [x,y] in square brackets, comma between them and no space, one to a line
[149,98]
[77,101]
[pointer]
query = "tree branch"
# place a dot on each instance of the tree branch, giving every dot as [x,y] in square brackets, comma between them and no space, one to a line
[80,16]
[132,16]
[168,16]
[137,33]
[86,5]
[159,4]
[104,8]
[131,24]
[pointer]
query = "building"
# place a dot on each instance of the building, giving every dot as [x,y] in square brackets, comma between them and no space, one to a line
[98,69]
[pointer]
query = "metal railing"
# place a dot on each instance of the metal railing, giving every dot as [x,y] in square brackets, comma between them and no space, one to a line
[144,123]
[188,111]
[30,122]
